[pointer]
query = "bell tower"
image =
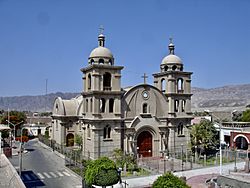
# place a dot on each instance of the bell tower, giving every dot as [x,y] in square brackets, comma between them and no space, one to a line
[101,101]
[175,84]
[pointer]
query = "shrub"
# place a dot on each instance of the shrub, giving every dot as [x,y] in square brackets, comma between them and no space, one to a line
[101,172]
[169,180]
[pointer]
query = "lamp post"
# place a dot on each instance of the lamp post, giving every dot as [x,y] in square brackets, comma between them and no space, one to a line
[220,149]
[20,152]
[14,125]
[182,157]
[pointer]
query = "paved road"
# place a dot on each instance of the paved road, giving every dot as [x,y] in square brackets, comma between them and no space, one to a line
[43,168]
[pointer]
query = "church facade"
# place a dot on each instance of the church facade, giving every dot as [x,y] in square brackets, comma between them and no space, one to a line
[144,120]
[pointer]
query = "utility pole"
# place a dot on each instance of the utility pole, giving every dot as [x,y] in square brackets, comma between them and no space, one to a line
[46,90]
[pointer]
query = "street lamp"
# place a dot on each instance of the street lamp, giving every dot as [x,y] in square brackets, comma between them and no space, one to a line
[20,152]
[14,125]
[182,157]
[220,149]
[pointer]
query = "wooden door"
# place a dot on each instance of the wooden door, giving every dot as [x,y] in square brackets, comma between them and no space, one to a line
[144,144]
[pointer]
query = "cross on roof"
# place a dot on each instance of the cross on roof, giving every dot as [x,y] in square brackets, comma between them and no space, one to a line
[144,78]
[101,29]
[170,40]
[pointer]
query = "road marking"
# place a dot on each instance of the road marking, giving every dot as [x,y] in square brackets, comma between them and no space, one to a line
[27,177]
[34,176]
[47,175]
[65,173]
[40,176]
[60,174]
[53,174]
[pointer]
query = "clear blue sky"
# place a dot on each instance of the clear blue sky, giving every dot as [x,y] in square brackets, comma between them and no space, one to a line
[52,39]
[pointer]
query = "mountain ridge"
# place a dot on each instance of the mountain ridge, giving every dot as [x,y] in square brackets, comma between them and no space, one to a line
[225,98]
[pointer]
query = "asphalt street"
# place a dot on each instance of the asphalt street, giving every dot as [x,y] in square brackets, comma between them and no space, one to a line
[43,168]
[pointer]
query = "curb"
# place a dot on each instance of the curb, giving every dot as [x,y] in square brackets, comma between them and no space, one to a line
[50,149]
[60,155]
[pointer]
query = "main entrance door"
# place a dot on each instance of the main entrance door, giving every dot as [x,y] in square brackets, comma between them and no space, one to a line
[144,144]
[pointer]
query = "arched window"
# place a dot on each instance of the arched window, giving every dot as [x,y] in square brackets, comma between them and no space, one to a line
[92,61]
[89,82]
[88,131]
[111,105]
[176,105]
[110,62]
[102,105]
[107,81]
[180,129]
[87,105]
[181,68]
[91,105]
[163,85]
[180,85]
[183,105]
[145,108]
[101,61]
[107,132]
[174,67]
[166,68]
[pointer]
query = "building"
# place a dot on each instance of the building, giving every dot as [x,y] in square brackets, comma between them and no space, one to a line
[142,120]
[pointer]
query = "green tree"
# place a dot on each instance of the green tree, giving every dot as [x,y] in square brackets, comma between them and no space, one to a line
[204,136]
[15,117]
[78,140]
[122,159]
[101,172]
[169,180]
[246,116]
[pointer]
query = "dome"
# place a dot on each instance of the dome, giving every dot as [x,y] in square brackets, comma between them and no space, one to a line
[101,51]
[171,59]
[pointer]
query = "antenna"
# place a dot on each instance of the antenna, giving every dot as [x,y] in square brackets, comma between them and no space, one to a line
[46,90]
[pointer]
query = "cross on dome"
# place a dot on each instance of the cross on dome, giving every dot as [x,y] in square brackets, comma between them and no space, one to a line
[101,29]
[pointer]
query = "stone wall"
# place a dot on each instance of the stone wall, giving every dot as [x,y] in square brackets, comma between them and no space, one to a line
[8,174]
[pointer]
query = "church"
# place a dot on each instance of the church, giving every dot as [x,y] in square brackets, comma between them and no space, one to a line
[143,120]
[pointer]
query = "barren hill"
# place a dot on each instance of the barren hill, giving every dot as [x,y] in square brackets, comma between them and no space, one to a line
[227,98]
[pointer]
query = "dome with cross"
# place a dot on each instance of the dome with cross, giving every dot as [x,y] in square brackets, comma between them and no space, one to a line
[101,54]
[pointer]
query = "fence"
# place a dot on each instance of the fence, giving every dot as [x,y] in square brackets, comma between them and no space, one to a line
[186,160]
[179,161]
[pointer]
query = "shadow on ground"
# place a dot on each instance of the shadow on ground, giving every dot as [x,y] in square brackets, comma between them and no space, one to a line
[31,180]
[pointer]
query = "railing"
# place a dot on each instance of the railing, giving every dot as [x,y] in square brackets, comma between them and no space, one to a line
[236,124]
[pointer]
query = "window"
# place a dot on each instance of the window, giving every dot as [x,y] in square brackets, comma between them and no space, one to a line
[56,125]
[111,105]
[101,61]
[145,108]
[92,61]
[183,105]
[180,129]
[176,105]
[88,131]
[89,82]
[107,81]
[174,67]
[163,85]
[91,105]
[110,62]
[102,105]
[107,132]
[87,105]
[56,108]
[180,85]
[166,68]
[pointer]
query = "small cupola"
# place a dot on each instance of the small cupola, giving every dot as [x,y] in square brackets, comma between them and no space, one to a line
[101,54]
[171,62]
